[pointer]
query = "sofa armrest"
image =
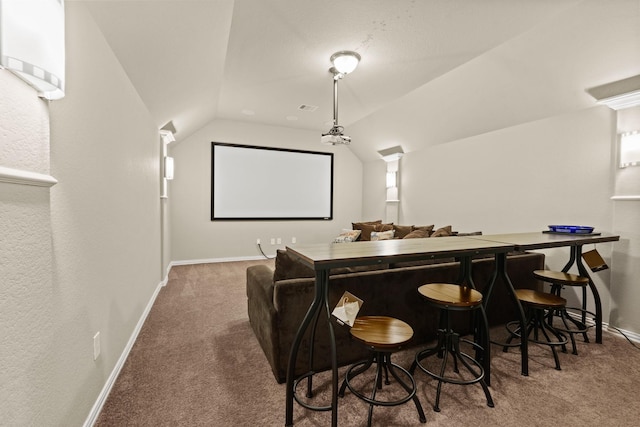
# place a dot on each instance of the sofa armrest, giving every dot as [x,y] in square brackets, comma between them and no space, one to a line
[262,314]
[260,282]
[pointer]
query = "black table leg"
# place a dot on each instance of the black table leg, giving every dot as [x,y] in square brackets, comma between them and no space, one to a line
[501,271]
[576,258]
[320,300]
[481,327]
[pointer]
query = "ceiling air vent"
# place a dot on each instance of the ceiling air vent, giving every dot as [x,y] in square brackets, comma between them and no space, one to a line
[310,108]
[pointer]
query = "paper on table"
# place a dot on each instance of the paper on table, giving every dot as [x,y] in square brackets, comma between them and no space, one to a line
[594,261]
[347,309]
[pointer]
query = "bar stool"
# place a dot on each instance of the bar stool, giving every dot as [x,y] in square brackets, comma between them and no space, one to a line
[382,336]
[558,280]
[448,298]
[535,303]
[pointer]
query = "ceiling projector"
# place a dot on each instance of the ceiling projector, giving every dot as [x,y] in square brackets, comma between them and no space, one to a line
[333,139]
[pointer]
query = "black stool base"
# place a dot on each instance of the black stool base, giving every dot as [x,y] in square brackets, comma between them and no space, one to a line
[536,323]
[383,365]
[449,345]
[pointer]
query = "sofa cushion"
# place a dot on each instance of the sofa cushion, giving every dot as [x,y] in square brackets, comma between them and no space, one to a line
[288,267]
[473,233]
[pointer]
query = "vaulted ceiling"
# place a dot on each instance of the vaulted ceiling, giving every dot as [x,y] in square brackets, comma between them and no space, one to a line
[432,71]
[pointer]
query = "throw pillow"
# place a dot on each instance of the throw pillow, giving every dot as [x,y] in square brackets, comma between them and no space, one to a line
[382,235]
[366,227]
[417,234]
[347,236]
[427,228]
[442,232]
[402,230]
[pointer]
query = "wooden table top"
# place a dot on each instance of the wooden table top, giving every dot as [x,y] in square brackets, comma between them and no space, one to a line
[332,255]
[540,240]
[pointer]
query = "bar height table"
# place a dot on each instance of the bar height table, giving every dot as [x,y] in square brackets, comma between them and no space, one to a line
[323,257]
[546,240]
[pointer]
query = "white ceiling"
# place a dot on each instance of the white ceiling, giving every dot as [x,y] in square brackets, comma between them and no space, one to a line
[432,71]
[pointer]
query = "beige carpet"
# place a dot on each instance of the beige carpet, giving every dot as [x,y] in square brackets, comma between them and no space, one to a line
[197,363]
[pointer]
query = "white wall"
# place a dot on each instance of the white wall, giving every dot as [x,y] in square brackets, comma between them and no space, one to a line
[25,259]
[195,237]
[551,171]
[625,293]
[521,178]
[83,256]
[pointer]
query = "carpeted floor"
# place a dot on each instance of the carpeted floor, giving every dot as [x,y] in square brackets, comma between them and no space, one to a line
[197,363]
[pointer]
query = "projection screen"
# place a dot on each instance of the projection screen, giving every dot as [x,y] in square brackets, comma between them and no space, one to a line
[264,183]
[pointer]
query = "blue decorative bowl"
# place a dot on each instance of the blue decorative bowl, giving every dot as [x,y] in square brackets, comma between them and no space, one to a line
[571,229]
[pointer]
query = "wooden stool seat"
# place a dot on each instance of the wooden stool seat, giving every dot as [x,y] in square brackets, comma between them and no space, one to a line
[382,335]
[450,295]
[561,278]
[571,325]
[536,304]
[381,332]
[540,299]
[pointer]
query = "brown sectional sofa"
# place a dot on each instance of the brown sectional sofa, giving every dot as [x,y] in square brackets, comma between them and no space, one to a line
[278,300]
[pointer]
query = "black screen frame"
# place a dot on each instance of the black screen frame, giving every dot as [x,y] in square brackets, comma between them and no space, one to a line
[329,203]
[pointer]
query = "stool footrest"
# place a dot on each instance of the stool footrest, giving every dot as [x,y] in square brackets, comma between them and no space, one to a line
[302,402]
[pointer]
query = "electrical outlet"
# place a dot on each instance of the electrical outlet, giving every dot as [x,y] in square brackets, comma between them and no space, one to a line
[96,345]
[258,241]
[273,241]
[279,241]
[293,240]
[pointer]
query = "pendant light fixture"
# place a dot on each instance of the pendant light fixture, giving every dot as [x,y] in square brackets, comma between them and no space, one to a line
[344,62]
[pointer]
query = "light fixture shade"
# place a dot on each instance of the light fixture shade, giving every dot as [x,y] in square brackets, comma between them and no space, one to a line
[618,95]
[345,61]
[630,149]
[391,179]
[391,154]
[168,167]
[167,136]
[620,102]
[32,43]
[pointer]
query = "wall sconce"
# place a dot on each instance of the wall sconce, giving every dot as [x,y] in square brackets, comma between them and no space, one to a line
[392,158]
[618,95]
[630,149]
[167,136]
[168,167]
[391,154]
[391,179]
[32,44]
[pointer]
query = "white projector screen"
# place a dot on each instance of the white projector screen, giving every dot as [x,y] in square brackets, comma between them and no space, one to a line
[263,183]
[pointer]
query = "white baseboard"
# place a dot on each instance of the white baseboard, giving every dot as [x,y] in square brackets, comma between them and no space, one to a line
[632,336]
[212,260]
[106,389]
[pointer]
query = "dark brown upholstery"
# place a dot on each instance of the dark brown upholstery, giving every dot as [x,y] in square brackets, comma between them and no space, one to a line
[276,309]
